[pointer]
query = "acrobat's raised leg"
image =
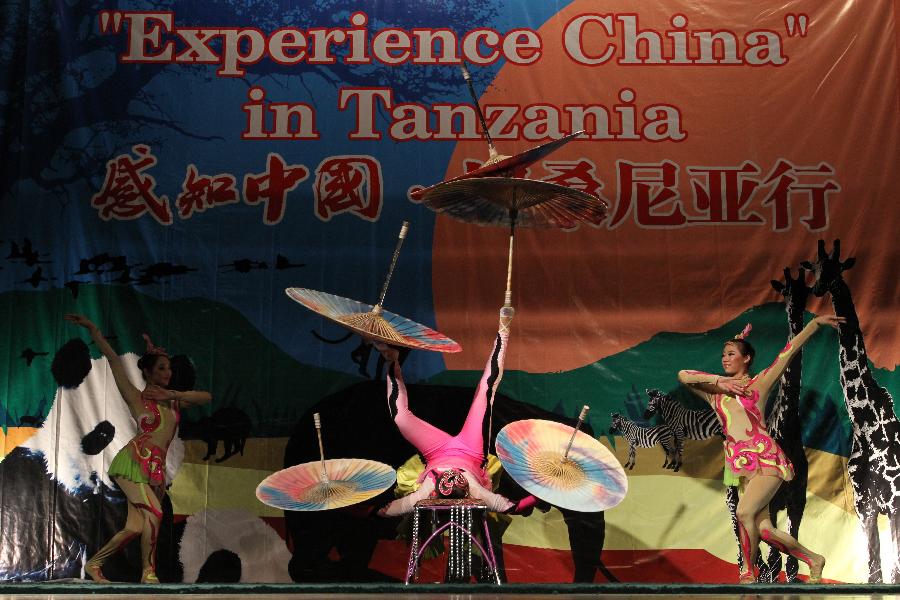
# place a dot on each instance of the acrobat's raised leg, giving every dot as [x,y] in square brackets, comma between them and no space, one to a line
[472,430]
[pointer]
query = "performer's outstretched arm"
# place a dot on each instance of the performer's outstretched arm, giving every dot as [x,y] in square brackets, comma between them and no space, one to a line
[129,392]
[704,385]
[403,505]
[765,380]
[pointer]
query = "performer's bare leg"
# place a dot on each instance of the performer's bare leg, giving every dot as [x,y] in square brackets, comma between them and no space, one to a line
[787,544]
[753,518]
[150,509]
[758,492]
[133,526]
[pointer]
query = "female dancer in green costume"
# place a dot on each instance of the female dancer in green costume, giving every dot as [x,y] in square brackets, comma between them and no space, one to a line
[139,469]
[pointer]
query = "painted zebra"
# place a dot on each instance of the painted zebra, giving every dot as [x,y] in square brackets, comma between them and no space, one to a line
[647,437]
[686,423]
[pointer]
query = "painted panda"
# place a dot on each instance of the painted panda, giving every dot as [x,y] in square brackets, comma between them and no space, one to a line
[231,546]
[87,425]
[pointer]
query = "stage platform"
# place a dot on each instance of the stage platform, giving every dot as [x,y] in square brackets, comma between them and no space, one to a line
[92,591]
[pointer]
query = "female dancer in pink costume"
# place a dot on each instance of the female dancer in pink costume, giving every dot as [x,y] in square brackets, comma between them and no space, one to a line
[454,464]
[139,468]
[740,401]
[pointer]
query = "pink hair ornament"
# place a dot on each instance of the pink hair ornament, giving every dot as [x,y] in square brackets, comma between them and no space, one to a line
[151,349]
[744,332]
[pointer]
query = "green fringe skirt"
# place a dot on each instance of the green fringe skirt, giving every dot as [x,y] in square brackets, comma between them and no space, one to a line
[124,465]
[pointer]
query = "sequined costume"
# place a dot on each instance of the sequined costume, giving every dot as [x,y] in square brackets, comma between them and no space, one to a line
[441,451]
[749,449]
[143,459]
[139,468]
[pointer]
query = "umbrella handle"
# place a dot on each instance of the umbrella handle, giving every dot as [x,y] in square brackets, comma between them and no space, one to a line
[318,422]
[584,411]
[492,152]
[387,280]
[508,298]
[513,213]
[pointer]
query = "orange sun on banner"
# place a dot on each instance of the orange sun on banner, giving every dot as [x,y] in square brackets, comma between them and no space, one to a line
[726,141]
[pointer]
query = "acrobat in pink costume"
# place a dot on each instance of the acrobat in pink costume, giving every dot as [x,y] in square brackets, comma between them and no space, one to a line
[463,452]
[749,449]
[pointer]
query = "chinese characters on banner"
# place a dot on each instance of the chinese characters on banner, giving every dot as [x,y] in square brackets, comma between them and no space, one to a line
[647,193]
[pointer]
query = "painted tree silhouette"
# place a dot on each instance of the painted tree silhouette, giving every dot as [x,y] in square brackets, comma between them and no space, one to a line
[67,105]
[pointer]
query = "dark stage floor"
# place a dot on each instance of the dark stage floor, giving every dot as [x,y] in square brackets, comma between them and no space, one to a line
[77,591]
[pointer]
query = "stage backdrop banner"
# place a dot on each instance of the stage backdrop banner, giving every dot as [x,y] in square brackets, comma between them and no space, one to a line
[170,167]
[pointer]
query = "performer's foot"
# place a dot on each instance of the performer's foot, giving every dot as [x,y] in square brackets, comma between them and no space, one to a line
[816,566]
[149,576]
[93,571]
[747,578]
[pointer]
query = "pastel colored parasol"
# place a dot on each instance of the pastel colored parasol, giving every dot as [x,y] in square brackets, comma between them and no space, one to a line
[587,477]
[373,322]
[325,484]
[302,487]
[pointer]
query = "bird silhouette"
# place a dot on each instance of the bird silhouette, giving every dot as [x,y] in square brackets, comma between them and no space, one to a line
[27,253]
[72,286]
[283,262]
[125,276]
[245,265]
[36,278]
[29,355]
[165,269]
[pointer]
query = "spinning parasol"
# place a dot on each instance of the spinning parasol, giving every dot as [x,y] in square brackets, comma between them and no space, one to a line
[500,164]
[561,465]
[326,484]
[373,322]
[511,201]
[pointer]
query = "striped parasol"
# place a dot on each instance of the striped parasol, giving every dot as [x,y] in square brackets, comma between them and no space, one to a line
[325,484]
[373,322]
[561,465]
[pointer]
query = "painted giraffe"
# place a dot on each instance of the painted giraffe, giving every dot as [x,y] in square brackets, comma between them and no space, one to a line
[783,423]
[874,464]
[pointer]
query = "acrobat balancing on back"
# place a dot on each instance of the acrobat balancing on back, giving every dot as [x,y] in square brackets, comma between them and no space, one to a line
[455,465]
[139,468]
[750,452]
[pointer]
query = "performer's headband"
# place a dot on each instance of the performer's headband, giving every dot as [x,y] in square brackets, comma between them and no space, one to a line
[151,349]
[452,481]
[744,333]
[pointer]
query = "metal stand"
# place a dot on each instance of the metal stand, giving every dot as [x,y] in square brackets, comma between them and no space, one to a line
[462,515]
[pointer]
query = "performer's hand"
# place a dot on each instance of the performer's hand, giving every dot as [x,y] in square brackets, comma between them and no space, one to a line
[382,512]
[80,320]
[506,316]
[830,320]
[733,386]
[525,506]
[389,353]
[157,393]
